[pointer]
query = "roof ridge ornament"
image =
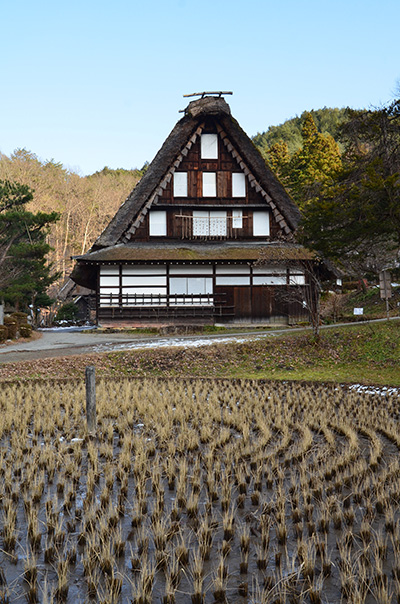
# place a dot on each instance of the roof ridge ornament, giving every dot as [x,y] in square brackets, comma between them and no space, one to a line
[203,94]
[207,102]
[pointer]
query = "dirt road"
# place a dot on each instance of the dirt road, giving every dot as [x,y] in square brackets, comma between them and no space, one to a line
[73,341]
[61,343]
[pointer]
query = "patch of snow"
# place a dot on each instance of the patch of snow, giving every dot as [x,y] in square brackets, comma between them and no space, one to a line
[382,390]
[67,328]
[178,342]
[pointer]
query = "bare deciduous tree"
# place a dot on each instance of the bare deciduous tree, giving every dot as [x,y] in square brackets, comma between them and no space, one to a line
[304,286]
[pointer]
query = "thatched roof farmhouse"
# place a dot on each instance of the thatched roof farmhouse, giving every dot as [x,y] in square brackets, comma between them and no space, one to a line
[185,245]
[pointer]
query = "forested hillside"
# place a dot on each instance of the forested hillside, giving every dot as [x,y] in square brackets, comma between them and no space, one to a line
[85,204]
[327,121]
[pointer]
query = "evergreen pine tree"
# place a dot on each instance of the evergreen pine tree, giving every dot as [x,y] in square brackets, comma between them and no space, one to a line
[25,274]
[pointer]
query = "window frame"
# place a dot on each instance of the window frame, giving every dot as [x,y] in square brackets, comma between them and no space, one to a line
[211,185]
[258,230]
[180,184]
[238,185]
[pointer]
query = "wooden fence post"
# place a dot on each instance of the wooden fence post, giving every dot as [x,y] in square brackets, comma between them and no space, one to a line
[90,377]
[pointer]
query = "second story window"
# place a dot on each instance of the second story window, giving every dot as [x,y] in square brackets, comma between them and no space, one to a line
[157,223]
[209,223]
[261,223]
[209,184]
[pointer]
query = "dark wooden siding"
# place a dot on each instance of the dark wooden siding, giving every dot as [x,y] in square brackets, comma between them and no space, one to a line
[260,303]
[242,302]
[194,184]
[142,232]
[253,303]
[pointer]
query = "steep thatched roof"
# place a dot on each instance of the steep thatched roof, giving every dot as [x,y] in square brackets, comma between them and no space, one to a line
[170,155]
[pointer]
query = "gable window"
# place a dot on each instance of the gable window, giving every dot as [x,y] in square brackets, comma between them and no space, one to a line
[157,223]
[238,184]
[261,223]
[209,223]
[209,146]
[180,184]
[209,184]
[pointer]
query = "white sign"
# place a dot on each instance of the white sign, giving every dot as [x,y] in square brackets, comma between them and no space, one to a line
[358,311]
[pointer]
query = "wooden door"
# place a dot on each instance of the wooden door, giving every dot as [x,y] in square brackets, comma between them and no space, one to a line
[242,302]
[262,301]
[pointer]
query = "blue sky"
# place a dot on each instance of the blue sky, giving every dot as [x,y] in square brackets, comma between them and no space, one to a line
[100,83]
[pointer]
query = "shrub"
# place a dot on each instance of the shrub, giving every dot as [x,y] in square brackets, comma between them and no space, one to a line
[25,330]
[12,327]
[3,333]
[67,312]
[20,318]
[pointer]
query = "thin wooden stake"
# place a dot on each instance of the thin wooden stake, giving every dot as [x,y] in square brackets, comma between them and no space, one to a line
[90,377]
